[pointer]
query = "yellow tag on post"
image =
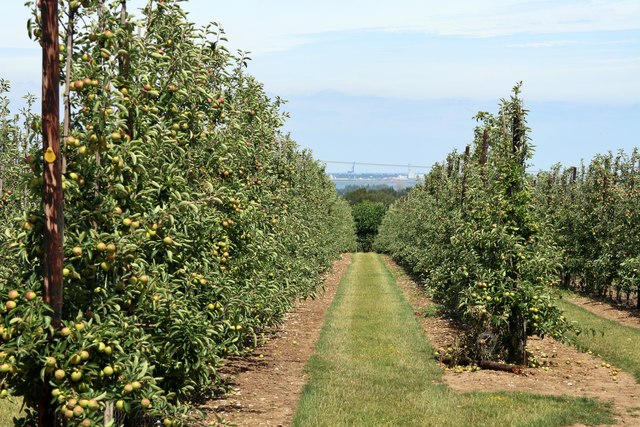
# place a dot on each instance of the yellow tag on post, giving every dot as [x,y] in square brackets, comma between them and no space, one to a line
[49,155]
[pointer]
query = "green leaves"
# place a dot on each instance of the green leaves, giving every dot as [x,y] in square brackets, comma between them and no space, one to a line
[471,233]
[368,217]
[190,225]
[592,212]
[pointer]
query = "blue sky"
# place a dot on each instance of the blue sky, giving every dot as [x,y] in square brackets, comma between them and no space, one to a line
[398,82]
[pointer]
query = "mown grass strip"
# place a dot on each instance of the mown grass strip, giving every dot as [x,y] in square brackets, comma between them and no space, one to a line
[614,342]
[373,367]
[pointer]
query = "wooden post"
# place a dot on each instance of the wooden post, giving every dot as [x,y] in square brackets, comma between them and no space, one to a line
[517,142]
[66,126]
[123,64]
[483,158]
[52,198]
[463,191]
[52,194]
[517,325]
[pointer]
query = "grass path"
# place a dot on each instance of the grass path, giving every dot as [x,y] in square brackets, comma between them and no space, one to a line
[373,367]
[8,410]
[616,343]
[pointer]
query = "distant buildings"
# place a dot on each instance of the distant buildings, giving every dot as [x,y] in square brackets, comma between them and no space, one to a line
[395,180]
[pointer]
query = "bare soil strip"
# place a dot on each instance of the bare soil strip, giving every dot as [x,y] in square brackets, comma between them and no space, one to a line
[568,371]
[608,310]
[267,384]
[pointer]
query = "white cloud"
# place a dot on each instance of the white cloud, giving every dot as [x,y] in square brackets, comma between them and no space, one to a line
[266,26]
[263,26]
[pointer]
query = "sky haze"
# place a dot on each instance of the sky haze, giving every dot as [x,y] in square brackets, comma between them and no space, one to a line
[399,82]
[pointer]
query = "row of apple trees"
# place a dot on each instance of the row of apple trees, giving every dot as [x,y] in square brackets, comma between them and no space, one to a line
[15,138]
[470,232]
[191,222]
[592,212]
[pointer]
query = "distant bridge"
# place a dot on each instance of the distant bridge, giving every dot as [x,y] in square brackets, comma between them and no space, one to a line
[408,165]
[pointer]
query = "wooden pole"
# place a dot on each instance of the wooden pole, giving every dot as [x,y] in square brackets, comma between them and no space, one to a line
[52,194]
[483,158]
[123,63]
[52,198]
[66,126]
[463,190]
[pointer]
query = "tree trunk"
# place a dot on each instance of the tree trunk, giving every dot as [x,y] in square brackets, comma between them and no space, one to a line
[517,338]
[566,281]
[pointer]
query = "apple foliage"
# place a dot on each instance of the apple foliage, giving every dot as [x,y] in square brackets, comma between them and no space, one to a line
[191,222]
[367,216]
[16,137]
[471,233]
[592,212]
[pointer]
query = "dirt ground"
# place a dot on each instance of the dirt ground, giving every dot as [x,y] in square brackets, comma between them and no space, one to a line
[566,370]
[609,310]
[268,384]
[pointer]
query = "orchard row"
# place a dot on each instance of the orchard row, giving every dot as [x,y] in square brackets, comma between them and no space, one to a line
[494,242]
[191,222]
[592,214]
[472,234]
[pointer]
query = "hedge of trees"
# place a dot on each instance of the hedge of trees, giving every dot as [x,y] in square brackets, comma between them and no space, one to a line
[369,206]
[191,222]
[471,233]
[592,215]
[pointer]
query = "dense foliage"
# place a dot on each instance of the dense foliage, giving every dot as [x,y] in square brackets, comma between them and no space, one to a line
[593,215]
[470,232]
[369,206]
[367,216]
[383,194]
[16,137]
[191,222]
